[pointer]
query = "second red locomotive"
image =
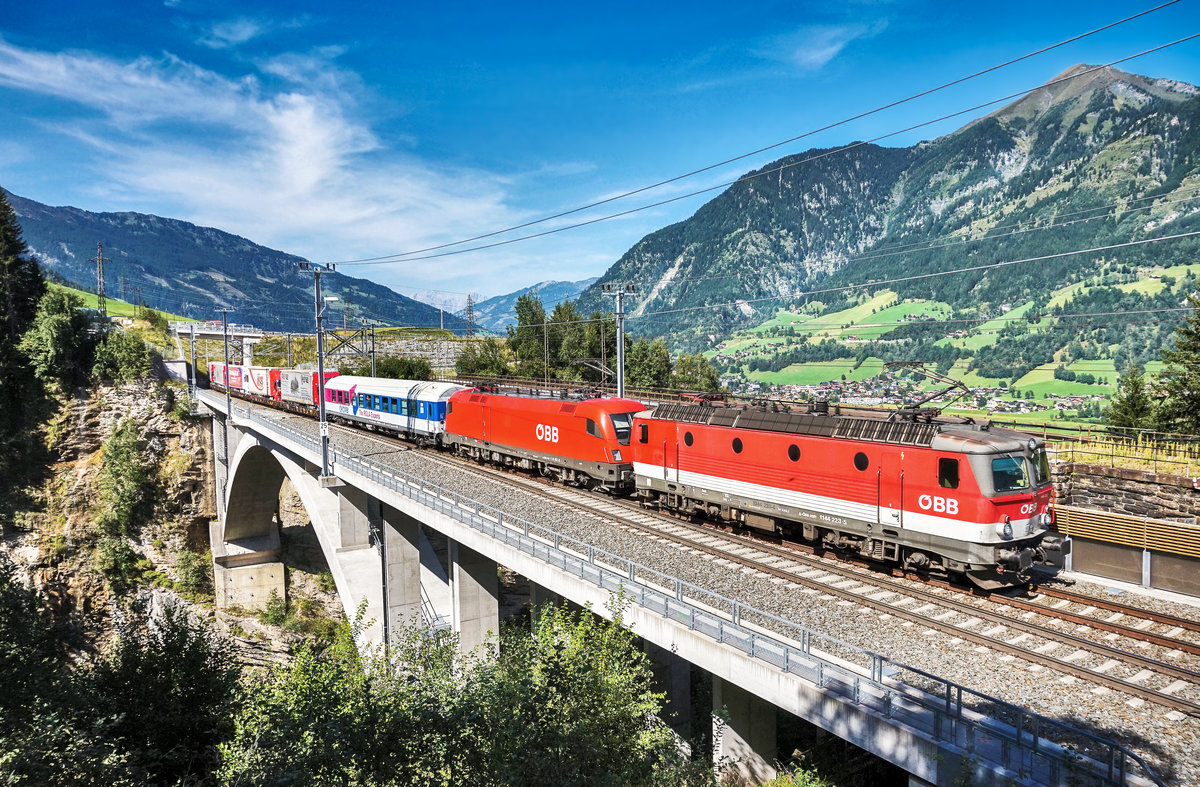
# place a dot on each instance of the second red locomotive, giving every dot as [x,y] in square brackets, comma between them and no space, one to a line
[946,495]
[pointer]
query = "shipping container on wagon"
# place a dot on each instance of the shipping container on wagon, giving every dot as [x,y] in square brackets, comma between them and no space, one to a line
[300,386]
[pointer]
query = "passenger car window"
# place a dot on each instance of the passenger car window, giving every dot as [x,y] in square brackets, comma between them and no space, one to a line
[1008,474]
[948,472]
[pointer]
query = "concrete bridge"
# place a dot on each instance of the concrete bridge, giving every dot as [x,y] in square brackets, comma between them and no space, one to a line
[373,525]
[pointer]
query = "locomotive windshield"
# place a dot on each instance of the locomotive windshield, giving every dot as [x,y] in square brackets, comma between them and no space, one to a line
[1008,474]
[1041,467]
[623,425]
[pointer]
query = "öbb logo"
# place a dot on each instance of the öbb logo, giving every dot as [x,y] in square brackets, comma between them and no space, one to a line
[941,505]
[547,433]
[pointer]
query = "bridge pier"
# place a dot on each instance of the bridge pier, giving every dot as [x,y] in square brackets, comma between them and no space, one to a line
[475,590]
[401,547]
[672,676]
[744,742]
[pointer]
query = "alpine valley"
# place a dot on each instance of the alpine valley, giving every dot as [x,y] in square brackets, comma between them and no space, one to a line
[840,256]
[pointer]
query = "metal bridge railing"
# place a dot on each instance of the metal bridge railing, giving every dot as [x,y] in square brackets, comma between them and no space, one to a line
[986,728]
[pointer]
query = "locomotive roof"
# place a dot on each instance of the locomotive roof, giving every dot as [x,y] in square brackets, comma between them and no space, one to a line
[964,437]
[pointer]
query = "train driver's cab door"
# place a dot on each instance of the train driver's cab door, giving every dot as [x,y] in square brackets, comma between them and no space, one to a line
[890,485]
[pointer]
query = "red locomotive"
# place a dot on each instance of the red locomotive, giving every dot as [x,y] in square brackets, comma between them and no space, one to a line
[582,443]
[953,496]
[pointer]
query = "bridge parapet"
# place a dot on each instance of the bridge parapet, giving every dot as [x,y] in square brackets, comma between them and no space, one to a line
[932,727]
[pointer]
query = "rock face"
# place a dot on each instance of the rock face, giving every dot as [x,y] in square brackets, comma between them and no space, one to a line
[62,548]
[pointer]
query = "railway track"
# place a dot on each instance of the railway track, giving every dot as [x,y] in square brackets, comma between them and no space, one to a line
[1153,680]
[1145,678]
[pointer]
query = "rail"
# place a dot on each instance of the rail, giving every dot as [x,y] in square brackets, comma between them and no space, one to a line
[982,726]
[1178,454]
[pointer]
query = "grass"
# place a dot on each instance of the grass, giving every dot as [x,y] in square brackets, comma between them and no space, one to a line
[806,373]
[114,307]
[986,333]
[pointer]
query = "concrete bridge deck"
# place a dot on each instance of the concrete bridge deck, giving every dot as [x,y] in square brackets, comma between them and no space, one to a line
[935,730]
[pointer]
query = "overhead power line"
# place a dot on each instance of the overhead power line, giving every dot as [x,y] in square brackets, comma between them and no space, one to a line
[765,148]
[920,276]
[403,258]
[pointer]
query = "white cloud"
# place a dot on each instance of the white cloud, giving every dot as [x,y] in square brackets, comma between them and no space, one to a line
[232,32]
[812,47]
[292,168]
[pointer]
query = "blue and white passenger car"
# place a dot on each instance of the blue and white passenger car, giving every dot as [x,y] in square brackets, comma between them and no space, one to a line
[413,408]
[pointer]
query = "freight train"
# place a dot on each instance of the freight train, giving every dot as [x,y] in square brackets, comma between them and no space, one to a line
[908,489]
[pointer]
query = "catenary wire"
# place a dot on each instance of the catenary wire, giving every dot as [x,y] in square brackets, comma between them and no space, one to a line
[773,146]
[395,258]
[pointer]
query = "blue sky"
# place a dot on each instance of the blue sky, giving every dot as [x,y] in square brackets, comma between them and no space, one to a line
[341,133]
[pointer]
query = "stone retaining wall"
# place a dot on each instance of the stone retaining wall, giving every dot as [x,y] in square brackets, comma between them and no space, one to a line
[1124,491]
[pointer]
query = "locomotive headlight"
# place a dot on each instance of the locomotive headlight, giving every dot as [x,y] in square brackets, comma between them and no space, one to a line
[1005,529]
[1032,444]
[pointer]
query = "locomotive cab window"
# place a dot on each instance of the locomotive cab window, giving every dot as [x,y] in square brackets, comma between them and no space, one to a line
[643,433]
[592,428]
[1041,467]
[1008,474]
[623,425]
[948,472]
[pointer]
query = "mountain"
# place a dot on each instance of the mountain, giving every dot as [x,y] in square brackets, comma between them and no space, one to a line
[497,313]
[1090,139]
[184,269]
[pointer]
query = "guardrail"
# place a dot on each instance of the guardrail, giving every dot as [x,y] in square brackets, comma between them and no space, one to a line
[987,728]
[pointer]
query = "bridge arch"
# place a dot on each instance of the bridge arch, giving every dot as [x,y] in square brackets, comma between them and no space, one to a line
[246,540]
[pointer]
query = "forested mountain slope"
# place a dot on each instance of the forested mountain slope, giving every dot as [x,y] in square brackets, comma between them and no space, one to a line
[190,270]
[1098,157]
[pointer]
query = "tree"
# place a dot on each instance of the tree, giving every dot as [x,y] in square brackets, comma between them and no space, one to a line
[21,281]
[394,368]
[488,357]
[1180,380]
[21,287]
[57,343]
[1131,407]
[648,364]
[566,341]
[164,692]
[695,373]
[150,711]
[528,339]
[564,703]
[121,357]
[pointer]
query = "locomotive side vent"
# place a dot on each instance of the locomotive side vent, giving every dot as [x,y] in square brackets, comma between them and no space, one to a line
[567,409]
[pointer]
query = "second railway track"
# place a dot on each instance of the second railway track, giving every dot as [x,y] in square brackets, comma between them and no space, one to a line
[1152,679]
